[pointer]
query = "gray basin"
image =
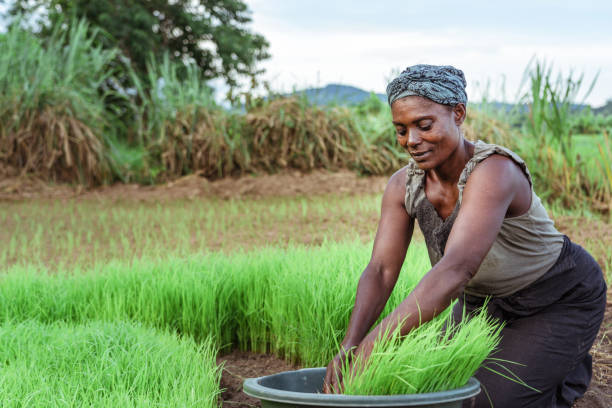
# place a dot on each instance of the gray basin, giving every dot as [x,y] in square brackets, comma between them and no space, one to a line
[303,388]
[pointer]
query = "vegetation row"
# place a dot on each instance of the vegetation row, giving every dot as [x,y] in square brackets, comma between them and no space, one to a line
[65,116]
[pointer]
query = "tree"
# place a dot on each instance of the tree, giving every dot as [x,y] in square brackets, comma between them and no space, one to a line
[210,33]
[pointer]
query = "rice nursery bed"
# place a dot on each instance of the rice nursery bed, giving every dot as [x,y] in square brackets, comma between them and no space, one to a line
[146,333]
[104,364]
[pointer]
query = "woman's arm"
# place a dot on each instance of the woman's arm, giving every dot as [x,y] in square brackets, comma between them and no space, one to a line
[494,187]
[380,275]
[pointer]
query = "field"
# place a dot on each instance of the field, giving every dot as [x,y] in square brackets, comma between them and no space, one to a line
[120,295]
[238,252]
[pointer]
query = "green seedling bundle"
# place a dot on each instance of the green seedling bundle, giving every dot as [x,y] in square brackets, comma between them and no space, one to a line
[437,356]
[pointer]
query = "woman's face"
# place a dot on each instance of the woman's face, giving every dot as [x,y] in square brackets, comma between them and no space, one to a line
[427,130]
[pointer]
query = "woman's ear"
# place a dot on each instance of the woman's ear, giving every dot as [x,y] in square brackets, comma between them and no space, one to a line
[459,113]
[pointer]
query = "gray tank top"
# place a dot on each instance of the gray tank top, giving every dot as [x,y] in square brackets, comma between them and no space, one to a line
[524,249]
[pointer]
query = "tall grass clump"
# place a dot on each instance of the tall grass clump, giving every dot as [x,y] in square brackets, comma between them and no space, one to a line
[53,121]
[548,139]
[551,101]
[289,132]
[540,129]
[605,152]
[180,126]
[104,365]
[436,356]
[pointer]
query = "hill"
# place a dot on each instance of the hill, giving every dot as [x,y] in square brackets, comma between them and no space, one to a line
[604,110]
[337,94]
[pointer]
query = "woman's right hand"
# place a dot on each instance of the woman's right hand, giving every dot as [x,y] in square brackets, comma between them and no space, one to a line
[333,375]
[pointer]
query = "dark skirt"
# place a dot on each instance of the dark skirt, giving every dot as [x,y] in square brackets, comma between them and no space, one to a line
[549,329]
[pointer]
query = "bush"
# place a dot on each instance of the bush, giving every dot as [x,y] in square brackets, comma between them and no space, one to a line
[53,121]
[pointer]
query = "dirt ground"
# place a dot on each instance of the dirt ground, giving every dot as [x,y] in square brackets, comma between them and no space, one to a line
[283,184]
[239,365]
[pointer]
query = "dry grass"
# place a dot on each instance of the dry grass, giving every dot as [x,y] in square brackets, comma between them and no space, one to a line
[288,132]
[203,141]
[56,147]
[285,133]
[53,119]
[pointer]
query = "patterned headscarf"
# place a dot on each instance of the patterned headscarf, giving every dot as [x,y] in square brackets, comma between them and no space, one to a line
[443,84]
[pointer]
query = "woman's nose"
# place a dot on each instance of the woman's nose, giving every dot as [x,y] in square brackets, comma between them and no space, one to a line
[413,137]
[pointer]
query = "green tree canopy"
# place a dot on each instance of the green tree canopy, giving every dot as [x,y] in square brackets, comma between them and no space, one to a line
[213,34]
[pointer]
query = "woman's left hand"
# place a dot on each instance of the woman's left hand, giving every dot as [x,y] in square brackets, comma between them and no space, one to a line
[362,353]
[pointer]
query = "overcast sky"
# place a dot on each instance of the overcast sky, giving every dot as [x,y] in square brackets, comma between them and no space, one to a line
[362,43]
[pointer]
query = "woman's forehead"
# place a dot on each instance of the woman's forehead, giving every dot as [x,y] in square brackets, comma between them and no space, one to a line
[414,107]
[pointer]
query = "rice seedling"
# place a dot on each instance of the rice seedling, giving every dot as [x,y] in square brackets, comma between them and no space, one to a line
[293,302]
[36,232]
[438,355]
[104,365]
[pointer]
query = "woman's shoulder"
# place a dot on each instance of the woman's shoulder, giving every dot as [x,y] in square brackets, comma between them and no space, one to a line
[483,151]
[397,181]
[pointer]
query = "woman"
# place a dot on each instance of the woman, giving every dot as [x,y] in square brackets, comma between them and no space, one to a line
[487,234]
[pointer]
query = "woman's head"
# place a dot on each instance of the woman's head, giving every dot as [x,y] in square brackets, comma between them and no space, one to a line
[428,107]
[442,84]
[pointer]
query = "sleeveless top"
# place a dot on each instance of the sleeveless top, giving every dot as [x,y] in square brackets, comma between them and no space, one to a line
[525,248]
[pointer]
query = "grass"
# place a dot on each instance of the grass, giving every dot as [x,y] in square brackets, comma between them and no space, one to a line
[293,302]
[146,332]
[53,119]
[104,365]
[75,123]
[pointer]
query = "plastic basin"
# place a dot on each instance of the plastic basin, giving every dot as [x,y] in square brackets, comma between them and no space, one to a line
[304,388]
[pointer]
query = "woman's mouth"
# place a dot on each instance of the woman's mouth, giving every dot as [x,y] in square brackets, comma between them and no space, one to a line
[418,156]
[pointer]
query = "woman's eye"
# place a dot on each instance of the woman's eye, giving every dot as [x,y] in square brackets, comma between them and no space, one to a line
[401,132]
[425,124]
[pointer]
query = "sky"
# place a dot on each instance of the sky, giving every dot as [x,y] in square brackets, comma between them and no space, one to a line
[364,43]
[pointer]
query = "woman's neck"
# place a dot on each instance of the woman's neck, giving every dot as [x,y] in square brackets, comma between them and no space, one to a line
[450,171]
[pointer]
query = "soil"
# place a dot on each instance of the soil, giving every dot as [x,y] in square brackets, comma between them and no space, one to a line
[239,365]
[289,183]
